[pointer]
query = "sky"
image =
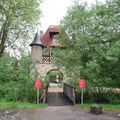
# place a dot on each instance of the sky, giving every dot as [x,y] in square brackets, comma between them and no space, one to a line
[54,10]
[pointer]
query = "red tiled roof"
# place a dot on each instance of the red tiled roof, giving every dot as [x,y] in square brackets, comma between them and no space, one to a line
[46,40]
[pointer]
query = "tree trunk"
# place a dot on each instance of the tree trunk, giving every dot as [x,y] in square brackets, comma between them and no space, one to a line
[2,48]
[3,36]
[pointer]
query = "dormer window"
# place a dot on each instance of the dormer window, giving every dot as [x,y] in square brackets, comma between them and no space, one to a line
[54,38]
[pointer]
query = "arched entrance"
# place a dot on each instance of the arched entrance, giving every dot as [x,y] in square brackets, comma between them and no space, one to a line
[56,96]
[54,77]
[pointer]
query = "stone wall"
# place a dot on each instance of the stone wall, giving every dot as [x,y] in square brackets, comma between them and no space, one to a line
[43,69]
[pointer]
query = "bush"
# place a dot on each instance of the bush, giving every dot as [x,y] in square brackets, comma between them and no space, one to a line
[105,97]
[113,98]
[16,84]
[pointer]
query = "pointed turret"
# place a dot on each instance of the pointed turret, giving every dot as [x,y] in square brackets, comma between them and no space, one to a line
[37,40]
[36,48]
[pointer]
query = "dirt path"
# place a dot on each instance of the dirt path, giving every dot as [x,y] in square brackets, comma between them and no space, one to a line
[61,113]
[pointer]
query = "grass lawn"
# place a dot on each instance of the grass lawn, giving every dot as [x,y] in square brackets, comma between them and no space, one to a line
[104,106]
[21,105]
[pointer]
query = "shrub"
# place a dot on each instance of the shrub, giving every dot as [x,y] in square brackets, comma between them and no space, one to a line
[112,97]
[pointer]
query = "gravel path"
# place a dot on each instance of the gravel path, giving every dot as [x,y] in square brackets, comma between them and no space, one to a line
[8,114]
[58,113]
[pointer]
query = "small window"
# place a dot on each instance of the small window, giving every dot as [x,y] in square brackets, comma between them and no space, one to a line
[54,37]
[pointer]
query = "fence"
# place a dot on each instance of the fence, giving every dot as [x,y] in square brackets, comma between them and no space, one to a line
[69,91]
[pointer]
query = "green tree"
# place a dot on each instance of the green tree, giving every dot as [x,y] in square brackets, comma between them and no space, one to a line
[27,91]
[15,80]
[17,20]
[93,50]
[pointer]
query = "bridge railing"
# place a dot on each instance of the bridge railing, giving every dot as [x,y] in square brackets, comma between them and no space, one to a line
[69,91]
[43,98]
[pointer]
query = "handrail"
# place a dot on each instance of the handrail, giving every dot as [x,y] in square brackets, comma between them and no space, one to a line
[43,97]
[69,91]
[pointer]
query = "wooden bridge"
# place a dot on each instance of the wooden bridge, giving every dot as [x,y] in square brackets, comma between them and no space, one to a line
[59,96]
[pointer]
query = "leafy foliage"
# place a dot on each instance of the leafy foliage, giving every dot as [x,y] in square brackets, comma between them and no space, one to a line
[17,20]
[93,47]
[15,81]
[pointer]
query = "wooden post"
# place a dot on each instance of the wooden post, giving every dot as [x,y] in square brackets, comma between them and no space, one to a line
[96,109]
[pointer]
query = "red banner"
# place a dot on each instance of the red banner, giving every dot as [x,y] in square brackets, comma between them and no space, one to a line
[82,83]
[38,84]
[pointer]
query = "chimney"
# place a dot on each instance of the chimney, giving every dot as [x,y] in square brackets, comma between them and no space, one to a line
[41,33]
